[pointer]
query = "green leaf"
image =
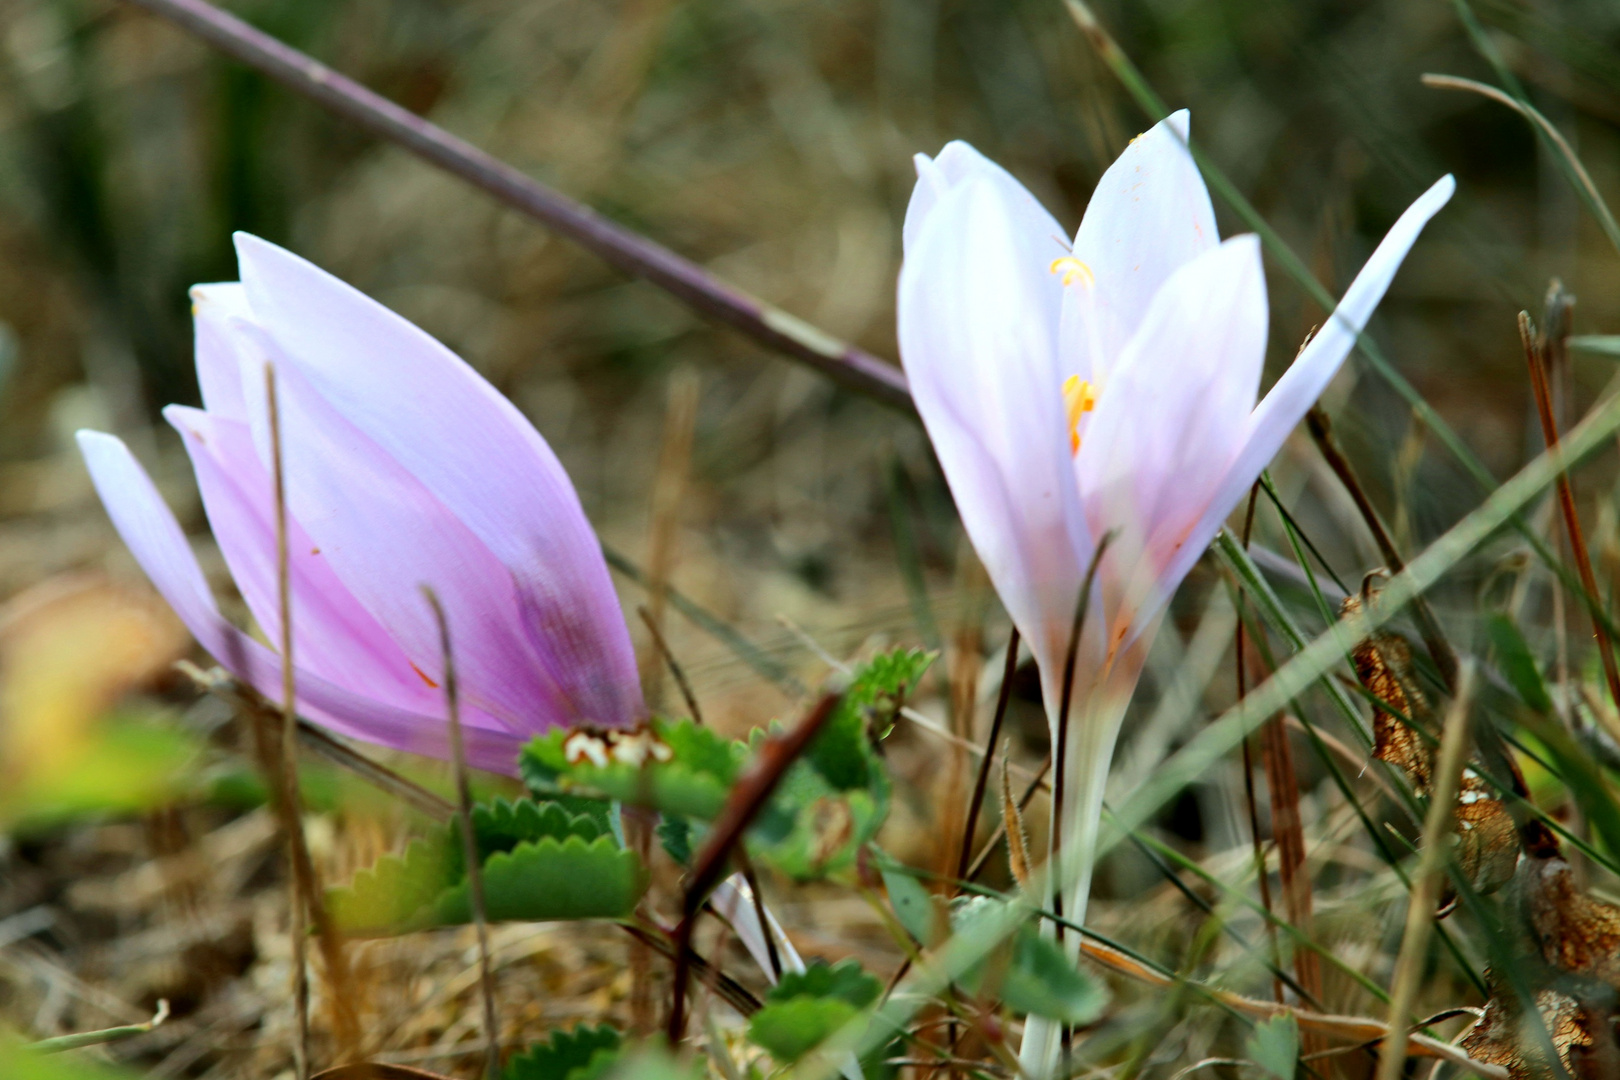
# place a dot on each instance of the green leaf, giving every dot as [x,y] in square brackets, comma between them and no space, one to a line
[1029,973]
[842,753]
[790,1029]
[548,880]
[675,834]
[679,767]
[1274,1046]
[845,980]
[1041,981]
[541,862]
[1517,664]
[581,1054]
[913,905]
[382,898]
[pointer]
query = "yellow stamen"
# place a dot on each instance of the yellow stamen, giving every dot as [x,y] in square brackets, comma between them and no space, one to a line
[1072,268]
[1079,398]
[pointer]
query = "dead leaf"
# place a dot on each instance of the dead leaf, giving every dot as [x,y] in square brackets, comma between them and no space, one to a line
[1501,1037]
[1575,933]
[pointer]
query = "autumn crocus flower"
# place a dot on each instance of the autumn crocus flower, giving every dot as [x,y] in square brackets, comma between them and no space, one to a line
[403,468]
[1103,386]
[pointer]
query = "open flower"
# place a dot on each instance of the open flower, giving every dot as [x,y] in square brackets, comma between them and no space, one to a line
[1108,385]
[403,468]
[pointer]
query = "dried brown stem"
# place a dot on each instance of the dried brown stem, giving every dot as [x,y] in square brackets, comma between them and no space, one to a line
[976,803]
[621,248]
[1001,830]
[469,838]
[747,798]
[1536,356]
[1434,639]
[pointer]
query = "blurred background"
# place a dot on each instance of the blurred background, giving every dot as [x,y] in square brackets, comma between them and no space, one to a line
[770,140]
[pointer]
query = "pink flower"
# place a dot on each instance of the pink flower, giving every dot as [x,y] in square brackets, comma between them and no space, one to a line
[404,468]
[1108,385]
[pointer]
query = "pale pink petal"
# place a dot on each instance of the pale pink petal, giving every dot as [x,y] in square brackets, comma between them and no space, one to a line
[1149,215]
[1299,387]
[220,350]
[155,539]
[1174,411]
[959,163]
[734,901]
[977,311]
[422,406]
[334,636]
[384,535]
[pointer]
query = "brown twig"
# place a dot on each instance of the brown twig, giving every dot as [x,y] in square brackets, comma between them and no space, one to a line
[674,665]
[976,803]
[1536,350]
[747,797]
[1240,647]
[469,838]
[1434,639]
[621,248]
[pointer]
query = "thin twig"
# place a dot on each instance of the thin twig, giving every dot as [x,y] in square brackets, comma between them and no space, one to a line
[307,901]
[1437,825]
[1003,698]
[674,665]
[469,838]
[621,248]
[1434,639]
[747,797]
[302,889]
[1535,354]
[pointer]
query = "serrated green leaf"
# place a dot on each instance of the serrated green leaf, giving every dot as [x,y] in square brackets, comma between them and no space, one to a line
[675,834]
[385,896]
[845,980]
[842,753]
[549,880]
[1273,1045]
[913,905]
[584,1053]
[790,1029]
[1517,664]
[693,782]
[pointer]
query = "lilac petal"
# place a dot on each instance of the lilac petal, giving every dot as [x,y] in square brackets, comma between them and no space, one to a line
[1299,387]
[419,404]
[977,309]
[1174,413]
[384,536]
[959,163]
[1149,215]
[221,352]
[334,636]
[155,539]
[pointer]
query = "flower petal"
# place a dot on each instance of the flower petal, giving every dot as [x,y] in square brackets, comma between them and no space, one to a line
[418,404]
[155,539]
[220,353]
[1173,415]
[1299,387]
[1150,215]
[977,311]
[335,636]
[959,163]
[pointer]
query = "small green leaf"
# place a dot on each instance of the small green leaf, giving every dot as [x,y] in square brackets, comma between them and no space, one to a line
[1274,1046]
[1517,664]
[383,897]
[913,905]
[547,880]
[1041,981]
[845,980]
[675,834]
[584,1053]
[791,1029]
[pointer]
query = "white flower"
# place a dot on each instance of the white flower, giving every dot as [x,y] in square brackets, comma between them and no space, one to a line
[1110,384]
